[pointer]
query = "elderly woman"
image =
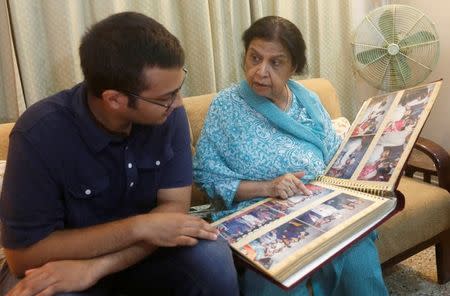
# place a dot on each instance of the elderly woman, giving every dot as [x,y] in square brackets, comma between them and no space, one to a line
[266,134]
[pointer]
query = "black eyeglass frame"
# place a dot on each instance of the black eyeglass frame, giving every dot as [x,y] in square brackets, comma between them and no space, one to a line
[173,97]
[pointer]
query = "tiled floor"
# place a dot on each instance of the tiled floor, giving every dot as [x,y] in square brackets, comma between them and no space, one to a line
[416,276]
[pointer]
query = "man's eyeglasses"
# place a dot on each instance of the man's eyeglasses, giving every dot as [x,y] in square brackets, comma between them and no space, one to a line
[159,102]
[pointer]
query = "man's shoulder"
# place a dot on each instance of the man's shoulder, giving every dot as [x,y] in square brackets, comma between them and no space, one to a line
[48,116]
[179,114]
[177,119]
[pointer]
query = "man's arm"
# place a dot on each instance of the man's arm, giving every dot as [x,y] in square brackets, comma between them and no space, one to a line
[75,275]
[172,200]
[83,243]
[58,276]
[166,225]
[176,200]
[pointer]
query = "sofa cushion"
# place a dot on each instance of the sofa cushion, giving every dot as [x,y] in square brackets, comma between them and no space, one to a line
[5,129]
[327,94]
[196,109]
[425,215]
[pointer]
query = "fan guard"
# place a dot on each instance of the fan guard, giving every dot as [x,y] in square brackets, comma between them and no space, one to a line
[395,47]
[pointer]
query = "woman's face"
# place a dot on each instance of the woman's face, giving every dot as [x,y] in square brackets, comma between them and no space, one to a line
[268,66]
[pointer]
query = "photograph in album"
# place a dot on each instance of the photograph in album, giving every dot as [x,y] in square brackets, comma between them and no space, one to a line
[275,246]
[391,145]
[372,118]
[247,222]
[332,212]
[350,157]
[252,219]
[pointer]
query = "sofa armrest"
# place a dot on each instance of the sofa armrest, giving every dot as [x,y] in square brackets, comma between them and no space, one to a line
[430,159]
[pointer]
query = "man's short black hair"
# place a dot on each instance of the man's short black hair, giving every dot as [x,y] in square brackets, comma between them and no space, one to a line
[275,28]
[115,51]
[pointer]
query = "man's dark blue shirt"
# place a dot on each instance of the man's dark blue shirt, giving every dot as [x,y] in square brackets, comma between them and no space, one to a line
[64,171]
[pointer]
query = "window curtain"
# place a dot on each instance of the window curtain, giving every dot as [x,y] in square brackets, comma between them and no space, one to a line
[10,92]
[40,39]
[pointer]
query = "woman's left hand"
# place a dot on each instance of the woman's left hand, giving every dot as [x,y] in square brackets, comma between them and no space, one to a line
[288,185]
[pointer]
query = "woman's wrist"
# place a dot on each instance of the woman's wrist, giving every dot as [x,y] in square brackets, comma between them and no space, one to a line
[253,189]
[267,188]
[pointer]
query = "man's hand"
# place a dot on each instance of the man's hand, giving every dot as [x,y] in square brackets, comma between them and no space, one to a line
[175,229]
[56,277]
[288,185]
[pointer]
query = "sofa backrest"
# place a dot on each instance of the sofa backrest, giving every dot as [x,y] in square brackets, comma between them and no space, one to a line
[197,106]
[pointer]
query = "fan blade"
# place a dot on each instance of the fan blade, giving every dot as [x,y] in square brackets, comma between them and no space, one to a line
[417,38]
[369,56]
[400,71]
[385,22]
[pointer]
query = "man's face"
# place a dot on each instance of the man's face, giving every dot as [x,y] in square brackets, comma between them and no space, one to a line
[163,86]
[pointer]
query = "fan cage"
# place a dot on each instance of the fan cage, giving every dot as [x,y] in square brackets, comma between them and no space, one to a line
[395,47]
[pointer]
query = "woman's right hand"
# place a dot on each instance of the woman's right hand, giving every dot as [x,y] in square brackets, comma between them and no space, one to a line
[288,185]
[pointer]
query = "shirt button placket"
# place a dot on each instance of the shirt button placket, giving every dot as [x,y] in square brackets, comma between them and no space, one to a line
[130,169]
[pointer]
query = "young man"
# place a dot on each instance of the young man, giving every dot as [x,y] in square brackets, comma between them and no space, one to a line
[98,178]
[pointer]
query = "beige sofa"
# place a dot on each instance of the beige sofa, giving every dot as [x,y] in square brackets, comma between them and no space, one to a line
[424,222]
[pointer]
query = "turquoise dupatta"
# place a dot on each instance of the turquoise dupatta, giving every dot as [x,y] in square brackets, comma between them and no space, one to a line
[281,120]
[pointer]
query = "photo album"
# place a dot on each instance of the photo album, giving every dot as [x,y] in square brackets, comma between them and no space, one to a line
[287,240]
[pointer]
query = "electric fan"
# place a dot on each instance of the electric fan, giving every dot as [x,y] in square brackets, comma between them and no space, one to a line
[395,47]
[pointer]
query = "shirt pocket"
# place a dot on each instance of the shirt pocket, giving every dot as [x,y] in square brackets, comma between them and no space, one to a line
[89,202]
[88,189]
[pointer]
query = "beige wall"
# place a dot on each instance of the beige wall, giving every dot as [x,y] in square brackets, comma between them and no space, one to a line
[438,125]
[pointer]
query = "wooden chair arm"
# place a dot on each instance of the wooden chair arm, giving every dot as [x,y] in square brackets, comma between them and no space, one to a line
[439,157]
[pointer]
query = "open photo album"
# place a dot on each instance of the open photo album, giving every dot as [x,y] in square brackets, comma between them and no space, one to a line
[287,240]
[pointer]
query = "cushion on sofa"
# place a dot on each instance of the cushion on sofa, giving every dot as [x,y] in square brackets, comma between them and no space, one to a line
[196,109]
[5,129]
[327,94]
